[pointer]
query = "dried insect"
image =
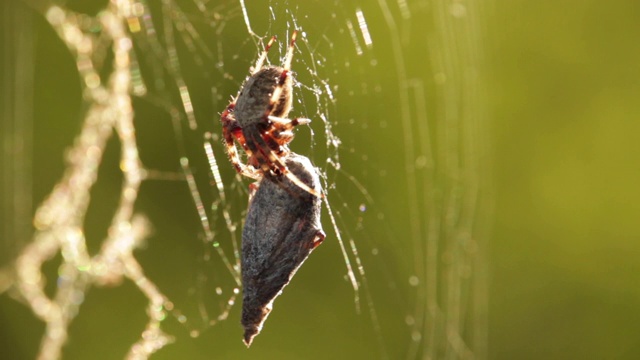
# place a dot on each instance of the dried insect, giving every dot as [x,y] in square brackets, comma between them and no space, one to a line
[257,119]
[281,229]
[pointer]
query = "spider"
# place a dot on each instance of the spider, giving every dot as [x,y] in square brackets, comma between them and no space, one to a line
[257,119]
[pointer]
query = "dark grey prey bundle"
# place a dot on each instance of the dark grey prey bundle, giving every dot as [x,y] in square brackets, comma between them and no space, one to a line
[281,229]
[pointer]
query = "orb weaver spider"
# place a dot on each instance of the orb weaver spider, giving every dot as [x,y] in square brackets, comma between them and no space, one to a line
[257,119]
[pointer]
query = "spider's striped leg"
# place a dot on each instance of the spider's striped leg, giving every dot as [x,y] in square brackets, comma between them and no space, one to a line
[262,57]
[280,138]
[258,150]
[231,129]
[292,43]
[282,167]
[282,129]
[232,152]
[277,92]
[288,124]
[294,179]
[277,141]
[273,160]
[253,187]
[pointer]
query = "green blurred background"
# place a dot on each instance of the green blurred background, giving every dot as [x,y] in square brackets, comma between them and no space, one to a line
[564,255]
[555,95]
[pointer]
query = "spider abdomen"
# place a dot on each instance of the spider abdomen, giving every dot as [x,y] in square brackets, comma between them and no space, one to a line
[254,99]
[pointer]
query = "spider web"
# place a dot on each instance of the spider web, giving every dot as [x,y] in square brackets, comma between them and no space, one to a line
[146,217]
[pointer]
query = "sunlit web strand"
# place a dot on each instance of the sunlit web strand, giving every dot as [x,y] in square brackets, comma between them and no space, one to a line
[365,284]
[345,256]
[217,179]
[204,219]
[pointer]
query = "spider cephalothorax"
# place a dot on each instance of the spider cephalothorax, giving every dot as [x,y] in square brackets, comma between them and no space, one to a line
[257,119]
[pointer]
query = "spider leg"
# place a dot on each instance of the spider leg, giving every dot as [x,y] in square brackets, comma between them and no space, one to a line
[292,43]
[288,124]
[281,129]
[277,142]
[261,151]
[276,138]
[256,157]
[282,167]
[253,187]
[294,179]
[277,92]
[262,57]
[231,129]
[281,138]
[267,152]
